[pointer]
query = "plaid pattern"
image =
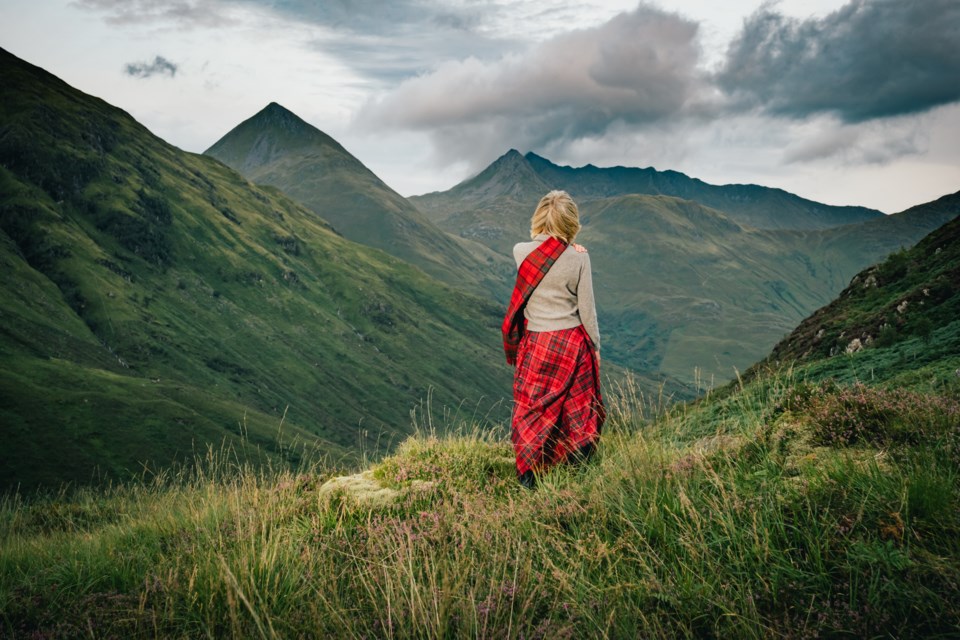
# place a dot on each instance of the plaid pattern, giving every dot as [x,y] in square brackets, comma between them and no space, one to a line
[529,274]
[558,408]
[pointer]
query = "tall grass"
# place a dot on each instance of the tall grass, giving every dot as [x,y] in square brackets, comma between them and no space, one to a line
[725,519]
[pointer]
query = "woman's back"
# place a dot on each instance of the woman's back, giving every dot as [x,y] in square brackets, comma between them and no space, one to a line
[564,299]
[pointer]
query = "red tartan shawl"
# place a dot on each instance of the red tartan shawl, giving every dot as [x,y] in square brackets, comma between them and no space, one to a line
[531,271]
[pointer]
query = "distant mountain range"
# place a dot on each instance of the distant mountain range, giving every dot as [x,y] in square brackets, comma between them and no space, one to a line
[693,280]
[483,207]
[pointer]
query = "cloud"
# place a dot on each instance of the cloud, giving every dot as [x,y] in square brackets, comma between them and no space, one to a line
[409,51]
[365,17]
[383,41]
[371,17]
[638,68]
[159,66]
[183,13]
[870,59]
[870,143]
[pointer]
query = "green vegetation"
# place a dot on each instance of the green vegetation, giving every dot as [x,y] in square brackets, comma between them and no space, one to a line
[906,308]
[154,301]
[816,500]
[740,516]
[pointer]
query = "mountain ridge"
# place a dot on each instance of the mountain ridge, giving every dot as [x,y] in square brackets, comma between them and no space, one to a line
[590,181]
[750,204]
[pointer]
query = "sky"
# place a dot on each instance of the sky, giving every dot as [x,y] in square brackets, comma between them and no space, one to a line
[844,102]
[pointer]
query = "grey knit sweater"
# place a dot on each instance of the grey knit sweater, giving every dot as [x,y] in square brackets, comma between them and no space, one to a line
[564,298]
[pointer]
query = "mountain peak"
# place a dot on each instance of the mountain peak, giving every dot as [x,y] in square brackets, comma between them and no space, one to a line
[281,120]
[510,174]
[276,114]
[510,158]
[266,136]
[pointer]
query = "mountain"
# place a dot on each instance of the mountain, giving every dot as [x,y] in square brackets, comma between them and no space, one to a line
[492,206]
[275,147]
[747,204]
[681,287]
[155,301]
[684,288]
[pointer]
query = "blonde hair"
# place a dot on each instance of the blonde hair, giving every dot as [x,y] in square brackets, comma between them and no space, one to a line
[556,215]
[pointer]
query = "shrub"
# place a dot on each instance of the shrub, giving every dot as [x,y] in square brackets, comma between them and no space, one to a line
[842,415]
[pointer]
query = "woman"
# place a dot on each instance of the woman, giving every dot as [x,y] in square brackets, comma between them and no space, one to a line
[551,336]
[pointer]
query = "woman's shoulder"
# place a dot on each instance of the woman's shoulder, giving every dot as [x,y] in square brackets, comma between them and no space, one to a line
[578,253]
[522,249]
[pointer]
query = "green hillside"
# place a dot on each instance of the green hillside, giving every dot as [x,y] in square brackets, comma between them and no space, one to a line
[275,147]
[683,289]
[818,498]
[896,321]
[155,302]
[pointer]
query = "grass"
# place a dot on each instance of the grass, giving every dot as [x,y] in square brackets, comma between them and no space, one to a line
[726,518]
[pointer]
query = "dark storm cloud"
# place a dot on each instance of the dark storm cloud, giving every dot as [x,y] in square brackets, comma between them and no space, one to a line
[159,66]
[640,67]
[870,59]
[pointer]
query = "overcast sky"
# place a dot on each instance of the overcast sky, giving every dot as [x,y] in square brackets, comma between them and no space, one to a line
[842,102]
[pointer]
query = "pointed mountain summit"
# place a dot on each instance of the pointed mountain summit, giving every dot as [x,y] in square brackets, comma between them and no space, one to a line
[510,176]
[276,147]
[269,135]
[493,207]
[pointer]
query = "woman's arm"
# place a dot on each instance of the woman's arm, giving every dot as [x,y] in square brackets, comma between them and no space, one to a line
[586,304]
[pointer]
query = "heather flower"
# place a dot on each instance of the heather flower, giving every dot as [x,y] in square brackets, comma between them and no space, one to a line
[845,415]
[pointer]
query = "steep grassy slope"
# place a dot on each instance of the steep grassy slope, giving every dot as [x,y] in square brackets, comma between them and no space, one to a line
[899,320]
[155,301]
[275,147]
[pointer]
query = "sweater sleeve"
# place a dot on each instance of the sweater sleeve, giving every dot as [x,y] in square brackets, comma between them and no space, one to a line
[585,302]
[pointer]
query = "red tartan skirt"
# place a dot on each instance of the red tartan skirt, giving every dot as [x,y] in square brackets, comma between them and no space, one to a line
[557,407]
